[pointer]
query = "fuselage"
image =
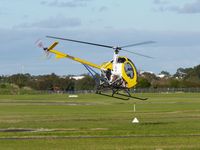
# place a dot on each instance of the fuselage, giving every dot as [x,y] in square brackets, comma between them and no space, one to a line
[124,68]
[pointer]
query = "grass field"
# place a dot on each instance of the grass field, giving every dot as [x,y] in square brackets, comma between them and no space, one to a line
[90,122]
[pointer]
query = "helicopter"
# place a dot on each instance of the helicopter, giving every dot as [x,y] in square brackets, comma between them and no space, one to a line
[118,74]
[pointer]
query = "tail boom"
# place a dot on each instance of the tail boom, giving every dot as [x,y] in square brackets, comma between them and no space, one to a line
[63,55]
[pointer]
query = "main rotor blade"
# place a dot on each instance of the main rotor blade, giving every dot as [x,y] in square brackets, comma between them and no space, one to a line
[139,54]
[107,46]
[79,41]
[136,44]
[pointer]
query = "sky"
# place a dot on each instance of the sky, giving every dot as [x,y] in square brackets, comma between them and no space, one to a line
[173,24]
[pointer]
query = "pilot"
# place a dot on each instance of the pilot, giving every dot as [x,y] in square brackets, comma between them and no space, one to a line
[108,74]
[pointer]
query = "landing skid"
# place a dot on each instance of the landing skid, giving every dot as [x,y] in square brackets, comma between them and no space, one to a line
[127,96]
[103,94]
[134,97]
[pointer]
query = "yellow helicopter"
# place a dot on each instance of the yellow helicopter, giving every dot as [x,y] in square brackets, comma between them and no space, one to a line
[119,74]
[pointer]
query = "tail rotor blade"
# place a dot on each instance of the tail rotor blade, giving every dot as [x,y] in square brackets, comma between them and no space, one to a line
[39,44]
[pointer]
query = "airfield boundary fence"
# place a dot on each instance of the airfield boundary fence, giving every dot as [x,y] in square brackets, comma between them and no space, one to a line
[137,90]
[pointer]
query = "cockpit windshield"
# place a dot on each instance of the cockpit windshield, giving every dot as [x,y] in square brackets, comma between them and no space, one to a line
[129,70]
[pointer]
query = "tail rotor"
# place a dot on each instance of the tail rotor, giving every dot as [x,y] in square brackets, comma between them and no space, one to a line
[40,44]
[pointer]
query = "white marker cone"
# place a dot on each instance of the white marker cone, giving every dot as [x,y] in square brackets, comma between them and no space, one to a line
[135,120]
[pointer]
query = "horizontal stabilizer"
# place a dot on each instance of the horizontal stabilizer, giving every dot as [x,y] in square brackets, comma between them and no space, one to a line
[60,56]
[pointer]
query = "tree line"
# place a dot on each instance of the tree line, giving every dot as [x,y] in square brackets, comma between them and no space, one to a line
[183,78]
[49,82]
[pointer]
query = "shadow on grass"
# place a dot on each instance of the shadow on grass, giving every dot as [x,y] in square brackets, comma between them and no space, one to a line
[156,123]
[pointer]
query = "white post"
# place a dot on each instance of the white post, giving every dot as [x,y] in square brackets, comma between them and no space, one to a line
[134,108]
[135,120]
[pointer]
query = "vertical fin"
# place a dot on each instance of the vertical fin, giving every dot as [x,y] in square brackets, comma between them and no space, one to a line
[52,46]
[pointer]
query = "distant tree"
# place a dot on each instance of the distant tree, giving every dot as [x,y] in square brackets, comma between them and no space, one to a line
[67,84]
[149,76]
[190,77]
[167,74]
[174,83]
[143,83]
[180,73]
[152,79]
[19,79]
[87,83]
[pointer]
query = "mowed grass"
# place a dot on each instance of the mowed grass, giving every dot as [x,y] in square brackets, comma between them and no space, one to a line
[167,121]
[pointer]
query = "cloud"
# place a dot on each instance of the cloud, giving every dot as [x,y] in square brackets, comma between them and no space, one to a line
[53,22]
[71,3]
[187,8]
[161,2]
[171,50]
[103,9]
